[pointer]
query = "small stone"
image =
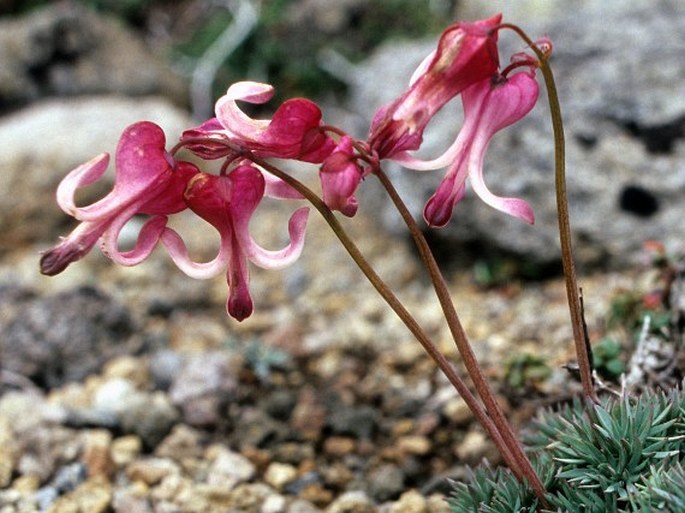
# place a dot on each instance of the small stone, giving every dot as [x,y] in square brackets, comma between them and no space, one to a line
[316,494]
[273,504]
[473,447]
[93,496]
[150,416]
[97,455]
[181,443]
[414,444]
[126,449]
[129,368]
[8,453]
[228,468]
[437,503]
[385,482]
[151,470]
[339,445]
[352,502]
[457,411]
[410,502]
[279,475]
[302,506]
[129,500]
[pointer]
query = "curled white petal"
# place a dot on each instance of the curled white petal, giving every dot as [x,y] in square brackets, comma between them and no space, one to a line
[199,270]
[83,175]
[281,258]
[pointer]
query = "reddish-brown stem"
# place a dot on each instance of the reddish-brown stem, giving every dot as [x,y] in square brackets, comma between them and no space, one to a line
[523,466]
[581,342]
[396,305]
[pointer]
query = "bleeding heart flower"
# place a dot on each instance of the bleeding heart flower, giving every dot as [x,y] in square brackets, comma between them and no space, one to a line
[466,54]
[294,132]
[147,181]
[227,202]
[489,106]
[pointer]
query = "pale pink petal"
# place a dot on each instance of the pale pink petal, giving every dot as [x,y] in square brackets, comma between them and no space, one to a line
[513,206]
[178,252]
[233,119]
[278,189]
[83,175]
[276,259]
[147,239]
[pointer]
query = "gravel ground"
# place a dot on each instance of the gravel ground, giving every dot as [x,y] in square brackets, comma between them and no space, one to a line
[129,390]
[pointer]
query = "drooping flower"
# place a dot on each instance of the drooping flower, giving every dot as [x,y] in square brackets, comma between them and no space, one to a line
[466,54]
[147,181]
[489,106]
[227,202]
[294,132]
[340,175]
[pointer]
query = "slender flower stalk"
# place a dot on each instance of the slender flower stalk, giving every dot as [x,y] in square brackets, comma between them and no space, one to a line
[522,465]
[581,342]
[396,305]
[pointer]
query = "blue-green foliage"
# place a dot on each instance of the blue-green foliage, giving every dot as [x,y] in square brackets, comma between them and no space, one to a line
[624,455]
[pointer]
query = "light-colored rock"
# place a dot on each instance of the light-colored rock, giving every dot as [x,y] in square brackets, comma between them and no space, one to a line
[228,468]
[279,475]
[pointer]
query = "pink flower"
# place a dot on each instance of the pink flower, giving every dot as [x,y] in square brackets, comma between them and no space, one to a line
[147,181]
[294,132]
[340,175]
[466,54]
[227,202]
[489,106]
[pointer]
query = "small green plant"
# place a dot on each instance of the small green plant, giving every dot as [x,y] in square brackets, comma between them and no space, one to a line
[606,355]
[623,455]
[525,370]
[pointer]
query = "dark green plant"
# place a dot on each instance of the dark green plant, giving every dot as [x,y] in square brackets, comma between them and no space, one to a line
[622,455]
[524,370]
[606,357]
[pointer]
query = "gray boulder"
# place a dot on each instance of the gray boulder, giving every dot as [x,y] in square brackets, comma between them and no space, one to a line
[66,49]
[619,70]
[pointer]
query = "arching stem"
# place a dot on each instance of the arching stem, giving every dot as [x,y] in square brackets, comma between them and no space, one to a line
[580,338]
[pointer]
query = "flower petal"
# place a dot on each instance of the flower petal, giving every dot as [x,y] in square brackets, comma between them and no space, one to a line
[141,164]
[277,259]
[466,54]
[147,240]
[178,252]
[83,175]
[72,248]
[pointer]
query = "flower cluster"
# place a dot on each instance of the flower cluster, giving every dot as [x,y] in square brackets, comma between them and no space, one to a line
[151,181]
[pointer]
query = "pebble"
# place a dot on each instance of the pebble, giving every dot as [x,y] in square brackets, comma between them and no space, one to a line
[8,452]
[97,453]
[228,468]
[339,445]
[126,449]
[93,496]
[414,444]
[352,502]
[386,482]
[151,470]
[457,411]
[410,501]
[473,447]
[279,475]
